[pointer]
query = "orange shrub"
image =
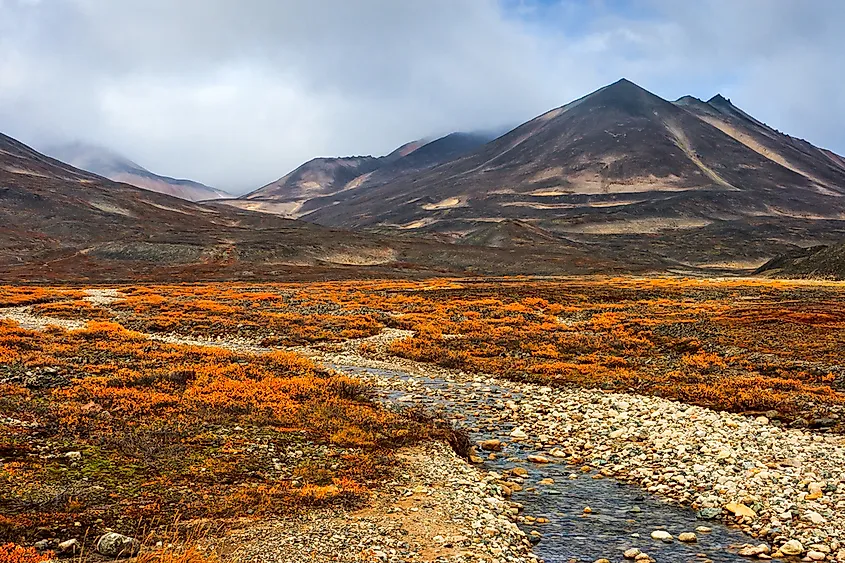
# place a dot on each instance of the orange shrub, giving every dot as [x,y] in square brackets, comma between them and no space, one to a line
[11,553]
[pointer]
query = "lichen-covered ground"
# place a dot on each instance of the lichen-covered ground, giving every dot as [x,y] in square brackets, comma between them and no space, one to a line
[127,407]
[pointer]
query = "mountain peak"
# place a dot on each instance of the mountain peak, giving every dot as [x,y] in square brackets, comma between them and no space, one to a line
[623,84]
[625,96]
[688,100]
[719,100]
[114,166]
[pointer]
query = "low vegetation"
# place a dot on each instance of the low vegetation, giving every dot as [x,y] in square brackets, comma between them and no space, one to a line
[106,427]
[103,427]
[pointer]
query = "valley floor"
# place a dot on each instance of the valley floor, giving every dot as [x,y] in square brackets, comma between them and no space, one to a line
[309,421]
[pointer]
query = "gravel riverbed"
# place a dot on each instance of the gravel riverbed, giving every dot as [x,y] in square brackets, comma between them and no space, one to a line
[783,487]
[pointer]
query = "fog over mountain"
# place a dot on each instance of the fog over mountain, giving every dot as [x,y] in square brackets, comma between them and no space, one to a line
[233,95]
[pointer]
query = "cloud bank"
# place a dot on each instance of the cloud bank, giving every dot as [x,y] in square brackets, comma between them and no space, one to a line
[235,94]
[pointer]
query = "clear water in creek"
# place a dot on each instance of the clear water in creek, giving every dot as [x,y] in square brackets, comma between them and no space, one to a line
[620,511]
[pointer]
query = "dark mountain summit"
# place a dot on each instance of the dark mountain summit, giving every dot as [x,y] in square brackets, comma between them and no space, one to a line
[621,168]
[825,170]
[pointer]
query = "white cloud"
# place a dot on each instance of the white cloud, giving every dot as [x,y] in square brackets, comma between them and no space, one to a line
[235,94]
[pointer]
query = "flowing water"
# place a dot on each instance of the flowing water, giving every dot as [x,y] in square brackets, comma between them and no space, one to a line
[622,517]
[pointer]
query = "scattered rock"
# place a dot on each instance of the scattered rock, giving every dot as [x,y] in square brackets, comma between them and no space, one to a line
[518,434]
[491,445]
[710,513]
[69,547]
[792,547]
[739,509]
[754,550]
[661,535]
[631,553]
[44,545]
[118,545]
[815,517]
[687,537]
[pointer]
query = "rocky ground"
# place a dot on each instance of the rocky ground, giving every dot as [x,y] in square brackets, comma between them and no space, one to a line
[783,486]
[439,509]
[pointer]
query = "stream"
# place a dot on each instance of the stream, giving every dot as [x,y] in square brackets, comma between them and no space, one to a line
[623,516]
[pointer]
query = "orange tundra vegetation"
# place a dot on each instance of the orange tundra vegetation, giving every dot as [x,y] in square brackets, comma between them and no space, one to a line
[106,424]
[11,553]
[107,428]
[741,345]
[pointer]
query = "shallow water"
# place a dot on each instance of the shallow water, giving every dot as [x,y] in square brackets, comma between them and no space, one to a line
[623,515]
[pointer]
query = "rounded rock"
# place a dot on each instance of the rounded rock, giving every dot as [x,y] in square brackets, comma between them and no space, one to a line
[792,547]
[118,545]
[661,535]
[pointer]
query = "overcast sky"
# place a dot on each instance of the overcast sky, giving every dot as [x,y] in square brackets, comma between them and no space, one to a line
[236,93]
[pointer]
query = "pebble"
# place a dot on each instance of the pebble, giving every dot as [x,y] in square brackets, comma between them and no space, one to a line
[792,547]
[71,546]
[661,535]
[492,445]
[745,471]
[687,537]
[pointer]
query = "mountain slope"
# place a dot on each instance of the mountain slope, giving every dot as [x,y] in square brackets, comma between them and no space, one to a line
[825,169]
[120,169]
[826,262]
[316,177]
[59,223]
[314,183]
[619,169]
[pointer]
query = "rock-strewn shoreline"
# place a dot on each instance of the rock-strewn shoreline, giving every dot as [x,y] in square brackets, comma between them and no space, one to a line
[778,485]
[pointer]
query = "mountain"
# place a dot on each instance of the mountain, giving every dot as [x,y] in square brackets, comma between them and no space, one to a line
[308,187]
[625,171]
[825,262]
[825,169]
[115,167]
[316,177]
[60,223]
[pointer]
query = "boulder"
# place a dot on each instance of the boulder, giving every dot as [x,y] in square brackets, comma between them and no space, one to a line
[118,545]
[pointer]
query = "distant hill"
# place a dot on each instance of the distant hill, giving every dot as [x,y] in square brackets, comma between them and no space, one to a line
[61,223]
[116,167]
[309,186]
[818,262]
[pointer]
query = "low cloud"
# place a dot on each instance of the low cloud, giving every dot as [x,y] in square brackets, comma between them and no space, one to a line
[235,94]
